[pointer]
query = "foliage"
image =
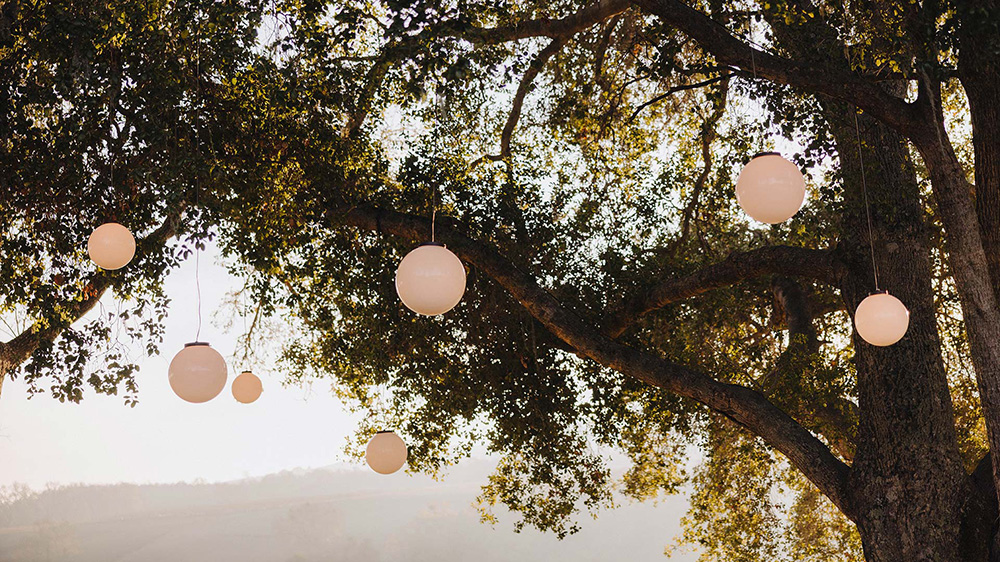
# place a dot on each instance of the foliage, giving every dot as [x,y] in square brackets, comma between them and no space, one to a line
[616,173]
[104,119]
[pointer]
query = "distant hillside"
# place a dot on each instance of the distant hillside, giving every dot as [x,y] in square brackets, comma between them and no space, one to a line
[319,515]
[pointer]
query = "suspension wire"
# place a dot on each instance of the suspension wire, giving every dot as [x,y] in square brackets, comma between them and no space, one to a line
[197,284]
[440,110]
[753,64]
[864,191]
[197,177]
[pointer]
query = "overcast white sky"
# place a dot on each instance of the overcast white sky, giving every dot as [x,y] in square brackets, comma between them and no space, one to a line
[165,439]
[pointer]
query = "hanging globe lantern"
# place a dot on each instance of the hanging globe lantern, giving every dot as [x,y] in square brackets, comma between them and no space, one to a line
[111,246]
[386,452]
[430,280]
[198,373]
[770,189]
[247,388]
[881,319]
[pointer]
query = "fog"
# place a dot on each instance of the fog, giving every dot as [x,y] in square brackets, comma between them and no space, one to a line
[332,514]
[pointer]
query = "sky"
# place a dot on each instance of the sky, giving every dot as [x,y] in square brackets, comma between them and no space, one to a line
[164,439]
[45,443]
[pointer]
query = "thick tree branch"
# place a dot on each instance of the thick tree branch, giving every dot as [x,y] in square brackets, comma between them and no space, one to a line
[554,28]
[745,406]
[835,421]
[832,80]
[820,265]
[20,348]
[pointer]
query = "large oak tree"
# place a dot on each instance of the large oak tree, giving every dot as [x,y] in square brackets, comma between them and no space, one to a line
[580,158]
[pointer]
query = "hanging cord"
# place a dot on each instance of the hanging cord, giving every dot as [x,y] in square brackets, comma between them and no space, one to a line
[864,191]
[197,177]
[753,65]
[197,284]
[433,211]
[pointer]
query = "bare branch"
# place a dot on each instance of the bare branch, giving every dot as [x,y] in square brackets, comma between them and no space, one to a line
[522,90]
[677,89]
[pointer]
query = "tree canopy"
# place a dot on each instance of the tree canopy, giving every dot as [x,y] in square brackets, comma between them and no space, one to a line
[580,158]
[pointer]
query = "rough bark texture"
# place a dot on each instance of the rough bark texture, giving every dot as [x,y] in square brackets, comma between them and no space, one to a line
[908,483]
[979,69]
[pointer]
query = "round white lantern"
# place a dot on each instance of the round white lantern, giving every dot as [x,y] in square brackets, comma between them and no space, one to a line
[111,246]
[386,452]
[770,189]
[247,388]
[881,319]
[430,280]
[198,373]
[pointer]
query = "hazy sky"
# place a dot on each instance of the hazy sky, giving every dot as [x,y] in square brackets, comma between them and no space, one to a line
[165,439]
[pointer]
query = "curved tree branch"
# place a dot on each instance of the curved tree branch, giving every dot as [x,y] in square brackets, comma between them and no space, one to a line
[820,265]
[833,79]
[554,28]
[558,29]
[677,89]
[522,90]
[745,406]
[835,421]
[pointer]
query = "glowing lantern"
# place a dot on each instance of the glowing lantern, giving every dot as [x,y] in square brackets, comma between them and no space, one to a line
[198,373]
[247,388]
[770,189]
[881,319]
[111,246]
[386,452]
[430,280]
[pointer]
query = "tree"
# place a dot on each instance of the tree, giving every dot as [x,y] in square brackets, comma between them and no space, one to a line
[616,295]
[107,115]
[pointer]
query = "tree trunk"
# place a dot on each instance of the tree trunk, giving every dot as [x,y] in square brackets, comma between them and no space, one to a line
[979,69]
[908,484]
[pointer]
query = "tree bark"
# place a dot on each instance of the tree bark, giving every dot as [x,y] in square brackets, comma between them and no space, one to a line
[908,483]
[911,495]
[979,70]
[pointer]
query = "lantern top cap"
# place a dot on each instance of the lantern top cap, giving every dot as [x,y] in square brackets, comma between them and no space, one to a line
[770,153]
[197,343]
[879,292]
[431,244]
[384,431]
[246,371]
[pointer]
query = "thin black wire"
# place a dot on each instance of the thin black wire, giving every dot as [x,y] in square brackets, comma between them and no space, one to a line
[753,64]
[433,210]
[864,191]
[197,283]
[197,177]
